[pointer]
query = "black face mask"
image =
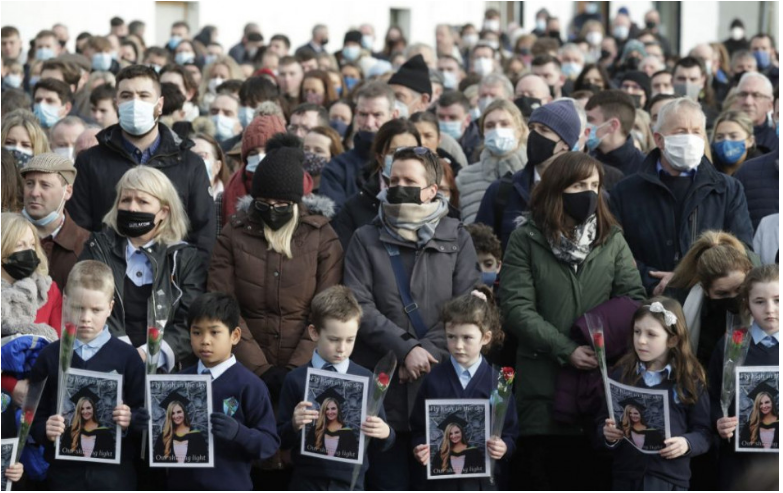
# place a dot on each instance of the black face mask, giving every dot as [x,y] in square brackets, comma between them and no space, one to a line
[21,265]
[404,195]
[554,34]
[539,148]
[273,217]
[605,54]
[637,100]
[527,104]
[135,224]
[552,92]
[580,205]
[632,63]
[650,25]
[324,41]
[737,77]
[592,88]
[722,305]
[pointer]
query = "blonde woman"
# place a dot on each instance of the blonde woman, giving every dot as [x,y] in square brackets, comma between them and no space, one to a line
[733,142]
[178,441]
[142,242]
[274,255]
[86,437]
[224,68]
[635,428]
[23,136]
[31,302]
[505,137]
[330,436]
[455,455]
[762,430]
[642,133]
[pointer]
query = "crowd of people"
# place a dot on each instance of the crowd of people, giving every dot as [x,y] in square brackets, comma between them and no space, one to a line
[462,205]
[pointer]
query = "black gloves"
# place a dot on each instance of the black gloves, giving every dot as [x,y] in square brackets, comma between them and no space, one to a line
[140,420]
[224,426]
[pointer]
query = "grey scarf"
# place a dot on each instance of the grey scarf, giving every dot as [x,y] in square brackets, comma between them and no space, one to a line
[574,252]
[414,223]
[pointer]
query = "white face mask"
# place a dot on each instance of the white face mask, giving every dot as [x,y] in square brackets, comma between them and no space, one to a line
[492,25]
[253,162]
[683,151]
[402,109]
[208,164]
[500,141]
[137,117]
[737,33]
[64,151]
[470,40]
[483,66]
[484,102]
[224,126]
[594,38]
[214,83]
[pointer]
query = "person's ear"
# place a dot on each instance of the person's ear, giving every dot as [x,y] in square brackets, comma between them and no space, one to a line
[429,193]
[67,107]
[165,212]
[235,335]
[111,305]
[68,192]
[486,338]
[158,107]
[751,141]
[658,138]
[673,341]
[395,114]
[314,334]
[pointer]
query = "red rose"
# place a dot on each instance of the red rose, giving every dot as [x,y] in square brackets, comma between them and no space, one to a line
[29,414]
[70,329]
[383,379]
[508,372]
[738,336]
[598,340]
[153,333]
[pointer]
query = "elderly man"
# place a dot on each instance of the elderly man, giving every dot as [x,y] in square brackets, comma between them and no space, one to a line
[64,134]
[412,87]
[572,60]
[676,196]
[754,97]
[533,86]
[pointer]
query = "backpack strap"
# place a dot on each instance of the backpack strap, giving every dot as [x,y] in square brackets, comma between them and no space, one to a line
[403,286]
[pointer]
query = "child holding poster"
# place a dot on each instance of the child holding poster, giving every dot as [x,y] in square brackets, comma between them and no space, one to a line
[472,325]
[759,295]
[90,292]
[662,359]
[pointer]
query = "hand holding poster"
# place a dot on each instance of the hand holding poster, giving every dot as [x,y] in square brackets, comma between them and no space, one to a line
[8,449]
[757,401]
[179,429]
[341,402]
[457,432]
[91,435]
[642,415]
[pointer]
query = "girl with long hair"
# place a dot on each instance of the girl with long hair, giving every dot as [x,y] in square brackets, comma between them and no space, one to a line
[87,437]
[762,428]
[178,441]
[330,436]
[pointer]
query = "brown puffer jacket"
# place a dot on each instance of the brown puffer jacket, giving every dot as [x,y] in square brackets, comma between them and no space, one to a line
[274,292]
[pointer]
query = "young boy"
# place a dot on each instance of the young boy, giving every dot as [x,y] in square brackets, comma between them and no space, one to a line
[243,421]
[488,252]
[90,292]
[335,314]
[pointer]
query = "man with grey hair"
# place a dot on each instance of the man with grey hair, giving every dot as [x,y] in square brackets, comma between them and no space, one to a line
[317,43]
[754,97]
[572,60]
[492,87]
[374,107]
[676,195]
[533,86]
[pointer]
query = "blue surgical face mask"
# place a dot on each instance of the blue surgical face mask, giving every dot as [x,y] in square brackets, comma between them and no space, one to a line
[452,129]
[762,58]
[246,114]
[44,54]
[253,162]
[210,59]
[593,141]
[489,278]
[101,61]
[351,53]
[184,57]
[572,69]
[729,151]
[339,126]
[47,114]
[13,80]
[350,82]
[47,219]
[387,165]
[137,117]
[34,80]
[174,41]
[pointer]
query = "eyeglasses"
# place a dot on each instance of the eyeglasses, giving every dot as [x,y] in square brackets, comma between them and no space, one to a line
[754,95]
[264,207]
[296,128]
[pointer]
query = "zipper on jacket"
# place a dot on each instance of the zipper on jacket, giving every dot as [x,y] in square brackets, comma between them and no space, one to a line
[694,221]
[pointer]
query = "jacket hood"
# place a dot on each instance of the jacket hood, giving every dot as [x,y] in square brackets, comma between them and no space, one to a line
[318,205]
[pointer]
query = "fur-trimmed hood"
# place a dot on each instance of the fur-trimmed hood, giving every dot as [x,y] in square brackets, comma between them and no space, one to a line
[20,302]
[320,205]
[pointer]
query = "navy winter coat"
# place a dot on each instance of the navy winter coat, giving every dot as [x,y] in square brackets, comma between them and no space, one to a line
[760,179]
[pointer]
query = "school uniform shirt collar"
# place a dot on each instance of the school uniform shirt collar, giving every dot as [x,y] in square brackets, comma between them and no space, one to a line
[87,350]
[319,363]
[137,266]
[759,335]
[653,378]
[465,374]
[216,370]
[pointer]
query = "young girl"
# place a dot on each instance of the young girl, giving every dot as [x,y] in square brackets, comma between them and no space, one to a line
[472,325]
[759,295]
[662,359]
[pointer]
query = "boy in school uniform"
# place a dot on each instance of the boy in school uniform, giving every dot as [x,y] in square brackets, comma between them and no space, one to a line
[243,421]
[90,293]
[335,316]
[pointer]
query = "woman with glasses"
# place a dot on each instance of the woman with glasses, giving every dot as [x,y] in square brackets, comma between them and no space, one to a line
[274,255]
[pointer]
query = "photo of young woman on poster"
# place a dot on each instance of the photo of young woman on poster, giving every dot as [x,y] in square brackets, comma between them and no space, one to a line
[635,426]
[455,455]
[179,442]
[330,436]
[761,430]
[85,437]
